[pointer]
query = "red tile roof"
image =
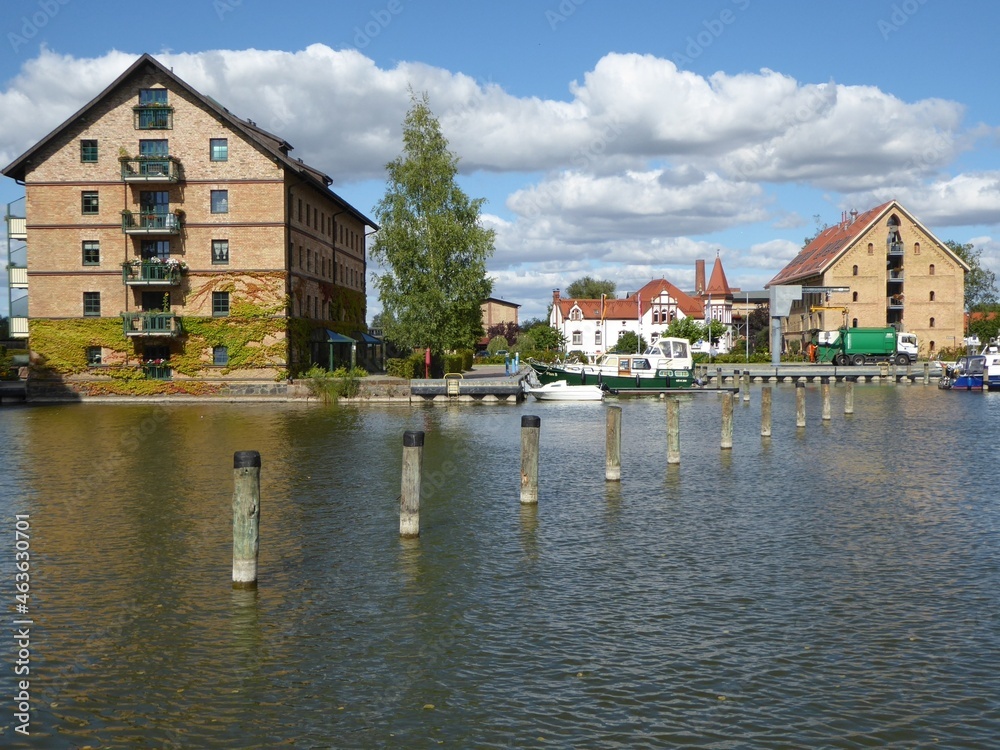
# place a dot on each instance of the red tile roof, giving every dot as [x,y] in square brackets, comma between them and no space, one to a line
[717,284]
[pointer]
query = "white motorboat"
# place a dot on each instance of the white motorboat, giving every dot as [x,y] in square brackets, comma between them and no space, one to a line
[560,390]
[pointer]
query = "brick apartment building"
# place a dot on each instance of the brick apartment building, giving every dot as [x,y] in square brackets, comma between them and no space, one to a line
[169,240]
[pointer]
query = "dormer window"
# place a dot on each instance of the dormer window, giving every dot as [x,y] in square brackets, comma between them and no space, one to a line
[575,314]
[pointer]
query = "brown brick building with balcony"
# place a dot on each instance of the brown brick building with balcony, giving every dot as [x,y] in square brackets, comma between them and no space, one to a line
[897,273]
[169,239]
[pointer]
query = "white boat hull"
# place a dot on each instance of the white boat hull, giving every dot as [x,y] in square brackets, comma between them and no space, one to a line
[560,390]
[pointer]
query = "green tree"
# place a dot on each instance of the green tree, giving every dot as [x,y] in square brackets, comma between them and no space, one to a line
[980,283]
[685,328]
[629,343]
[546,337]
[497,344]
[590,288]
[431,245]
[4,328]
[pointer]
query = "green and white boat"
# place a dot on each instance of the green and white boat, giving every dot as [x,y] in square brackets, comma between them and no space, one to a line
[667,364]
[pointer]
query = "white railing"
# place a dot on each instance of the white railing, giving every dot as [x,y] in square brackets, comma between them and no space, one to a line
[18,328]
[17,228]
[18,277]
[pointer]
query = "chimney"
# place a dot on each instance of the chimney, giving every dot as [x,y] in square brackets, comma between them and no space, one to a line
[699,277]
[555,297]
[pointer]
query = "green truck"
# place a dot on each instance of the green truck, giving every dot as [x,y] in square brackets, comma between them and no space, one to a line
[865,346]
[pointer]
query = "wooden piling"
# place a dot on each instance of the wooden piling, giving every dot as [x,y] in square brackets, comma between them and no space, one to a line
[409,496]
[673,430]
[927,373]
[800,404]
[849,397]
[746,386]
[765,411]
[530,430]
[825,391]
[613,460]
[246,518]
[727,422]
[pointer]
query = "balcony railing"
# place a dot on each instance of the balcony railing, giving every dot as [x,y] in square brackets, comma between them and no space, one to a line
[153,117]
[895,303]
[151,274]
[157,372]
[18,327]
[151,223]
[896,248]
[18,277]
[17,228]
[151,169]
[896,275]
[151,324]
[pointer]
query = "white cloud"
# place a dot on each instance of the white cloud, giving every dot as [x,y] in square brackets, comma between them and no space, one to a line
[966,199]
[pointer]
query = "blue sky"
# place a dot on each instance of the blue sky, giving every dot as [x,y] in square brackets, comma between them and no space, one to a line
[618,140]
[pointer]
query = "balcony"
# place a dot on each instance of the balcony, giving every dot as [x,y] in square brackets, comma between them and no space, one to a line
[151,223]
[151,324]
[896,302]
[151,273]
[896,249]
[157,371]
[18,277]
[153,117]
[18,327]
[17,228]
[151,169]
[895,276]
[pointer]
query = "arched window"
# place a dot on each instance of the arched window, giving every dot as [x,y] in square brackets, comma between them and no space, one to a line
[854,323]
[930,269]
[576,314]
[933,347]
[656,316]
[932,297]
[931,324]
[854,297]
[871,249]
[854,271]
[916,248]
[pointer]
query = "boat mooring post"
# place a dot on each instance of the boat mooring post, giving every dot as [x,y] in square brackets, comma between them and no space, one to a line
[246,518]
[673,430]
[765,411]
[613,461]
[927,373]
[825,390]
[800,404]
[746,386]
[727,421]
[531,427]
[849,397]
[409,496]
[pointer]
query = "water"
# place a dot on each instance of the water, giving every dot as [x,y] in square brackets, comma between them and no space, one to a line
[834,586]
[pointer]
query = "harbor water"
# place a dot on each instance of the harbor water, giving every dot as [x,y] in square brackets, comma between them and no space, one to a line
[830,586]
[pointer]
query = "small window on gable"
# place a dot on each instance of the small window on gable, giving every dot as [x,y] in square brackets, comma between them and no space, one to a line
[854,271]
[916,248]
[932,297]
[871,249]
[218,149]
[88,151]
[930,269]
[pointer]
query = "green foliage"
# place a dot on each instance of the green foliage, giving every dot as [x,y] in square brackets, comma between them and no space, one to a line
[525,343]
[980,283]
[685,328]
[629,343]
[454,363]
[546,337]
[714,330]
[497,344]
[431,244]
[401,368]
[468,357]
[590,288]
[62,344]
[330,386]
[984,325]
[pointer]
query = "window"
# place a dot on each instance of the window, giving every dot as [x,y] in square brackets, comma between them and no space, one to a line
[854,322]
[854,297]
[871,249]
[932,297]
[159,249]
[220,201]
[220,252]
[220,304]
[930,269]
[152,97]
[931,323]
[153,112]
[155,301]
[92,304]
[94,354]
[154,205]
[597,338]
[916,248]
[218,149]
[91,253]
[88,151]
[309,304]
[220,356]
[854,271]
[577,338]
[309,259]
[154,148]
[575,314]
[89,203]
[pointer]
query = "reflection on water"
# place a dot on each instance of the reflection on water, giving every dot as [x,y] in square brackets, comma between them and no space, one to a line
[833,585]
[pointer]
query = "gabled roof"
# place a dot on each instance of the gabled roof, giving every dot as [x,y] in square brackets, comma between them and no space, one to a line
[830,244]
[275,147]
[690,306]
[629,308]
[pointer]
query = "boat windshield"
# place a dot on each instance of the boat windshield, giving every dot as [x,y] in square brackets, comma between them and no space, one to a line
[672,348]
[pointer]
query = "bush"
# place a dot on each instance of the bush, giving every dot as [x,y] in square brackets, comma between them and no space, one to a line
[330,386]
[400,368]
[454,363]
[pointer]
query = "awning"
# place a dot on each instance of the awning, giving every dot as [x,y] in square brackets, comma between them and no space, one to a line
[366,338]
[336,338]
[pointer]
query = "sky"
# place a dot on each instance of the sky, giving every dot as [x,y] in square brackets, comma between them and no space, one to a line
[621,141]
